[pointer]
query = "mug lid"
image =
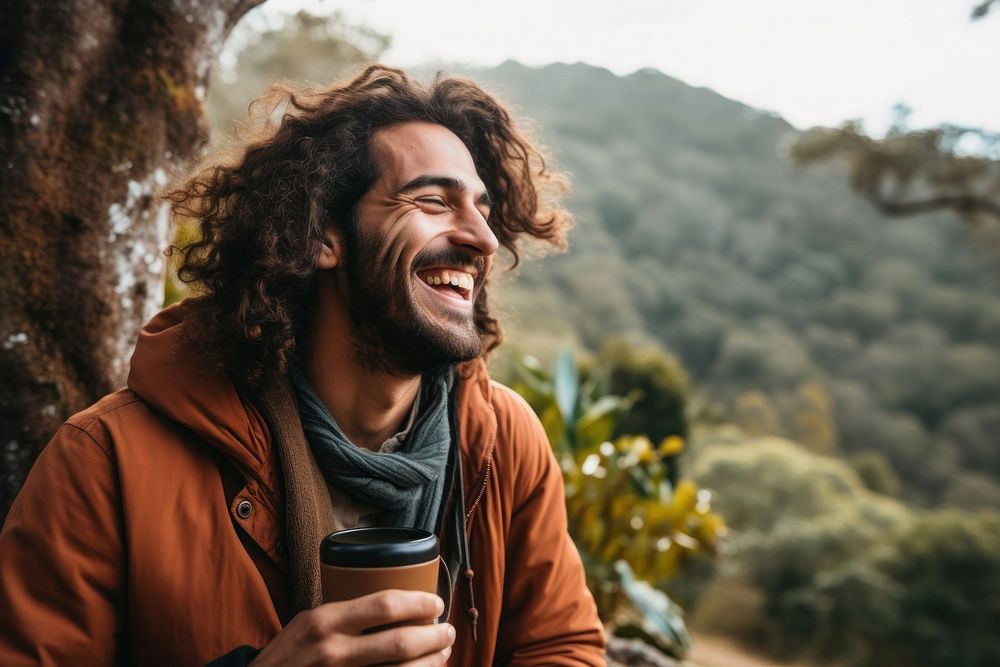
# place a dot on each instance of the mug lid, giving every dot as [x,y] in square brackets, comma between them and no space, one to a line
[378,547]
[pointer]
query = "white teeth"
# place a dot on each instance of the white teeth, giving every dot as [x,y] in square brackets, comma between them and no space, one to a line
[461,280]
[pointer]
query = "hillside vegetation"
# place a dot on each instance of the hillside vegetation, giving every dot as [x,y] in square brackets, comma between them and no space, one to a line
[790,302]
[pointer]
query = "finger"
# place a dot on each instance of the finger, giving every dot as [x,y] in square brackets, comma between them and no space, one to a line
[405,643]
[392,606]
[434,660]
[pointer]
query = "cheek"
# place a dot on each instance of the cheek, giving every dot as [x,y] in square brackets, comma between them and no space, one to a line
[396,254]
[402,244]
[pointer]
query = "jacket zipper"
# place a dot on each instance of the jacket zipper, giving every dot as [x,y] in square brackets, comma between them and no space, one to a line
[482,488]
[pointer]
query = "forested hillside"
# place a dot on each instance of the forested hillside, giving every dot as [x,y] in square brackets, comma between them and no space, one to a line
[788,299]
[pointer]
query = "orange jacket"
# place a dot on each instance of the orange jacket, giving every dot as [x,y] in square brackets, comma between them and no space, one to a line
[122,549]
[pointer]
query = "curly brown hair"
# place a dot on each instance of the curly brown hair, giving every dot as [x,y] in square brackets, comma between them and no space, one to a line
[261,218]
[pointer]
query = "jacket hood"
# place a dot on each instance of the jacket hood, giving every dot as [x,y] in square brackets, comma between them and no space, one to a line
[171,377]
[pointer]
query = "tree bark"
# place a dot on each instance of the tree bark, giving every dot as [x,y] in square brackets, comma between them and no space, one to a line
[100,106]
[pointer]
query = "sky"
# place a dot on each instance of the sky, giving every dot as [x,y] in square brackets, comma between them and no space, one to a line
[814,62]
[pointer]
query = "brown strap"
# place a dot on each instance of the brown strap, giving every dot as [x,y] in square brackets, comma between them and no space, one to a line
[308,509]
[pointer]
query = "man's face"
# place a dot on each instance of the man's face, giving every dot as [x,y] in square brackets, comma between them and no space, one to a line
[419,254]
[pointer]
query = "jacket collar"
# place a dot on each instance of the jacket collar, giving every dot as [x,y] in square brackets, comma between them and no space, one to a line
[204,400]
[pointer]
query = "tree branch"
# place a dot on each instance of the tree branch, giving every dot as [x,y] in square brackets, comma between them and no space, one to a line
[966,205]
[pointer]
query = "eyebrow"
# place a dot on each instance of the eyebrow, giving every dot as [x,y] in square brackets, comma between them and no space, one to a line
[446,182]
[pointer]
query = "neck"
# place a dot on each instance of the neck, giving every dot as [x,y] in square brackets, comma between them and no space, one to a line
[368,406]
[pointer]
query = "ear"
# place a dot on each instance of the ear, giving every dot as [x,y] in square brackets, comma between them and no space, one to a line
[331,252]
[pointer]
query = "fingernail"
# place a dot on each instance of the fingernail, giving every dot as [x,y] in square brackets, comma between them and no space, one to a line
[439,605]
[451,630]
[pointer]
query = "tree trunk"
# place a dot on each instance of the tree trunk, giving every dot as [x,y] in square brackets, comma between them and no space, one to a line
[100,107]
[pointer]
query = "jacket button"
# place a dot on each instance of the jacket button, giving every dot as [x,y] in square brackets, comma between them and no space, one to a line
[244,509]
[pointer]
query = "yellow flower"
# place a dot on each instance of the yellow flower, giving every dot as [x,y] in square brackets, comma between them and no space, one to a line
[671,445]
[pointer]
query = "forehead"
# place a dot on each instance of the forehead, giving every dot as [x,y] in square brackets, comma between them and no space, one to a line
[408,150]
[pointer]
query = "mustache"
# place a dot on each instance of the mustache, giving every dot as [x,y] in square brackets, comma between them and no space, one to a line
[451,258]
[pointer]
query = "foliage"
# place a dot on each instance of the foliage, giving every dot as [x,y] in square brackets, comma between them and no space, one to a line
[823,568]
[765,280]
[769,482]
[896,172]
[660,380]
[907,173]
[624,515]
[875,473]
[946,570]
[651,616]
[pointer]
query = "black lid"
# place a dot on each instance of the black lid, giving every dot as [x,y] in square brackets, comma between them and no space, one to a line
[378,547]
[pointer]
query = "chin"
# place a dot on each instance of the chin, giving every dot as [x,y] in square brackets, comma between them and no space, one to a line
[417,347]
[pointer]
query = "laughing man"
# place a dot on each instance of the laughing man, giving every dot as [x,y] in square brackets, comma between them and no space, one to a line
[328,374]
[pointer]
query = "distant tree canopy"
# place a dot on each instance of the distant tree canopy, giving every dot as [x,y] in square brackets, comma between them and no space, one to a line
[788,301]
[825,569]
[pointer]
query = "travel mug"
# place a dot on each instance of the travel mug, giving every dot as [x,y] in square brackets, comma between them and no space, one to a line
[360,561]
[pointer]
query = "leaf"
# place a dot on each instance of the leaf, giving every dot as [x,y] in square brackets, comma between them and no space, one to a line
[668,562]
[531,362]
[685,499]
[710,529]
[535,381]
[597,425]
[593,535]
[567,385]
[594,387]
[641,483]
[655,618]
[555,429]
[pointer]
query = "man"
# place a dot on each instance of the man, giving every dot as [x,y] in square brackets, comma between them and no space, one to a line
[329,374]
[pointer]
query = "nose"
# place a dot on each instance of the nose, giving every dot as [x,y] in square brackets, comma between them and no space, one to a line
[473,231]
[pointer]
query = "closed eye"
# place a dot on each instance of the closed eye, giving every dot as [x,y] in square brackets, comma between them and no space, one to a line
[435,201]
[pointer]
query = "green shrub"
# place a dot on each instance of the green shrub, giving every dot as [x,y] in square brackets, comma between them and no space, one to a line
[845,574]
[634,529]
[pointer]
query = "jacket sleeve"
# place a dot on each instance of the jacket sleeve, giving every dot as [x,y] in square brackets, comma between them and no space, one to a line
[549,616]
[61,559]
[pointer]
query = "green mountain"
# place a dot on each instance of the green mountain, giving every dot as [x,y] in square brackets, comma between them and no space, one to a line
[786,297]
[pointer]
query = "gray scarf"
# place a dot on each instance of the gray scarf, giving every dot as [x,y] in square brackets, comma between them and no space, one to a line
[408,484]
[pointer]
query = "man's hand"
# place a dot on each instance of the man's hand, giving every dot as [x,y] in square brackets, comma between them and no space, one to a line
[330,635]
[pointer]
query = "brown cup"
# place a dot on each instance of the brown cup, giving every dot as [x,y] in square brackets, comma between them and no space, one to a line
[360,561]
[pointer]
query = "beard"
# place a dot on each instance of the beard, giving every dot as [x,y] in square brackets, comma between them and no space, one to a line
[391,332]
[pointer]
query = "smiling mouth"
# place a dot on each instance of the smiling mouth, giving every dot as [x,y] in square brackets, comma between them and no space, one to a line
[450,283]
